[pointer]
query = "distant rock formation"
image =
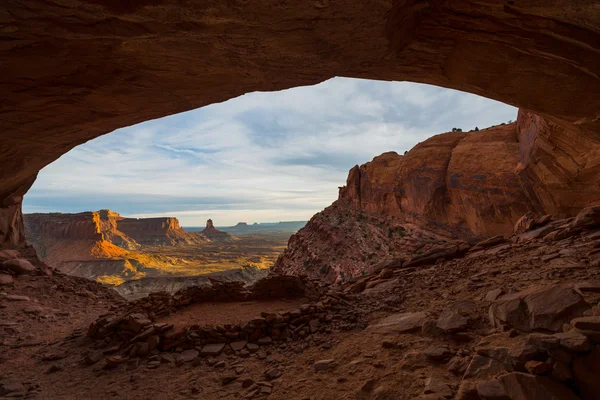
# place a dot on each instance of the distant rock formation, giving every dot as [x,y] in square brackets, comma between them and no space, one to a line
[213,233]
[96,243]
[242,228]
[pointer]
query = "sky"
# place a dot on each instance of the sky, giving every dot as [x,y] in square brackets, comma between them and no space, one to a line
[260,157]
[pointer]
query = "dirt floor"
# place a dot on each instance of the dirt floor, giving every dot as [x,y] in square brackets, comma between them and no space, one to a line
[39,351]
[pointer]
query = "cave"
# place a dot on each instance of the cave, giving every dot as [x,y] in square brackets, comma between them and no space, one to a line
[74,70]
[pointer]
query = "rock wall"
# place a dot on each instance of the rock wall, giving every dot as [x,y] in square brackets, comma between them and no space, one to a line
[164,231]
[73,71]
[453,186]
[560,167]
[482,181]
[69,241]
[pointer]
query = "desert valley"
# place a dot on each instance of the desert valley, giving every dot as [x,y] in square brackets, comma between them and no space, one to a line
[139,256]
[466,267]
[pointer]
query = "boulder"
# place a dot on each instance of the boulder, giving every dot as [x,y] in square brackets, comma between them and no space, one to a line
[491,390]
[438,353]
[573,341]
[19,266]
[445,252]
[587,218]
[6,279]
[433,385]
[452,321]
[537,367]
[400,323]
[239,345]
[493,294]
[544,308]
[137,321]
[591,323]
[525,223]
[212,349]
[519,386]
[8,254]
[187,356]
[483,367]
[324,365]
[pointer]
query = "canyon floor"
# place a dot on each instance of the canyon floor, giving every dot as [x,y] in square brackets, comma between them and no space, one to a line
[488,323]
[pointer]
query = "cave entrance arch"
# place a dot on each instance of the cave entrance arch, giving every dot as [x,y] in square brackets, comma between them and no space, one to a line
[79,69]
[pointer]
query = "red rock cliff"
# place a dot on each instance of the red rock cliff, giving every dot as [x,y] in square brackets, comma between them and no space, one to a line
[458,185]
[58,237]
[159,231]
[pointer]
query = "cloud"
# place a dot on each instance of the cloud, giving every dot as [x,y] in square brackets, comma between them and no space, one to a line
[259,157]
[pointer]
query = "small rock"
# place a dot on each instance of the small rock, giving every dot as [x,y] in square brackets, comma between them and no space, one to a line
[537,367]
[400,323]
[264,341]
[93,357]
[573,341]
[481,367]
[137,321]
[54,368]
[458,365]
[187,356]
[226,380]
[19,266]
[16,297]
[239,345]
[166,358]
[369,385]
[492,295]
[211,350]
[587,323]
[438,353]
[247,383]
[324,365]
[6,279]
[386,344]
[433,385]
[272,373]
[452,321]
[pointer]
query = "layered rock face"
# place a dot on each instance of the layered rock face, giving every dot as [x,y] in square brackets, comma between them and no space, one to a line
[93,244]
[164,231]
[84,69]
[457,185]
